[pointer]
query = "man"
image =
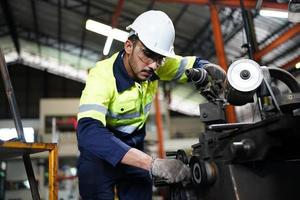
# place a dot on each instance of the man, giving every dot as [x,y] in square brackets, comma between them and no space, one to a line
[114,107]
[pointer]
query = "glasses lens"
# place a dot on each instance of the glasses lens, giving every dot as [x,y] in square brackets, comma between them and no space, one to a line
[152,56]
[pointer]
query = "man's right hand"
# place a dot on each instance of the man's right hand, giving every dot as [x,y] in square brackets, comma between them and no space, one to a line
[172,170]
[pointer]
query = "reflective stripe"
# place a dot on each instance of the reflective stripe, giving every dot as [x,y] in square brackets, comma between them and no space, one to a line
[126,129]
[123,116]
[94,107]
[147,107]
[180,71]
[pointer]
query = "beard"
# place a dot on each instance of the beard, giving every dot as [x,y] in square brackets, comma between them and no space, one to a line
[131,64]
[139,73]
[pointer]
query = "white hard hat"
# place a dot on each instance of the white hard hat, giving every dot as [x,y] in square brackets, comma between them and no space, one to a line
[156,31]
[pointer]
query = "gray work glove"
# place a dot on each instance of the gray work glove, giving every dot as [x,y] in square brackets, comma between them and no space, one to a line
[172,170]
[217,77]
[216,72]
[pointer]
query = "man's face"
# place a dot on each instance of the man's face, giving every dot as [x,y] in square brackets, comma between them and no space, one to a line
[142,62]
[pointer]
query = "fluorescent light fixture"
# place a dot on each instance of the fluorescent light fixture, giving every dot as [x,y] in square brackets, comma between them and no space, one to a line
[298,65]
[10,133]
[119,34]
[273,13]
[98,27]
[111,33]
[107,45]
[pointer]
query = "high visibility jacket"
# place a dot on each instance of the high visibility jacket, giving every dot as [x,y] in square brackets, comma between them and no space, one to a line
[119,102]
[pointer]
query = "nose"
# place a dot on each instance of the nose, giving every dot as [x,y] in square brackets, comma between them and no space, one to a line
[153,66]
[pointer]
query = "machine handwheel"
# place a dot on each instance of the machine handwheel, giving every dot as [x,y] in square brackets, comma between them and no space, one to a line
[204,173]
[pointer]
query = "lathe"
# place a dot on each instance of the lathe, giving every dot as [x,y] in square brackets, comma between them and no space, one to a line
[246,160]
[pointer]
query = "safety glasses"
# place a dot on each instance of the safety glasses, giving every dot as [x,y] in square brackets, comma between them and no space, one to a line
[149,57]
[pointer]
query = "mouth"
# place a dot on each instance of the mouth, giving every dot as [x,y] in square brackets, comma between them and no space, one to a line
[147,73]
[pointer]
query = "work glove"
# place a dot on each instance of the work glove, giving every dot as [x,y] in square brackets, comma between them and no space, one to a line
[216,78]
[216,72]
[172,170]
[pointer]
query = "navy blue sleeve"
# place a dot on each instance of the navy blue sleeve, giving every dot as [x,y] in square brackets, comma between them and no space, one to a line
[95,138]
[199,63]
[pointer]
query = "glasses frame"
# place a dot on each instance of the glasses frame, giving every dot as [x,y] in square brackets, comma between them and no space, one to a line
[147,56]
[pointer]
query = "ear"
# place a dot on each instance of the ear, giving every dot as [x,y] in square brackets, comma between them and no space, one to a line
[128,46]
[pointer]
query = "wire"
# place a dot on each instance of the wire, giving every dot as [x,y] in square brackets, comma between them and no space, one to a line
[272,95]
[254,110]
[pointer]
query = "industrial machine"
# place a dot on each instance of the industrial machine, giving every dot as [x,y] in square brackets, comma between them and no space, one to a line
[246,160]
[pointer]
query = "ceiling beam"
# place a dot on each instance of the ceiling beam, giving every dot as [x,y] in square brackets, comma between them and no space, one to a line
[83,33]
[278,41]
[294,48]
[218,38]
[204,2]
[50,41]
[237,27]
[196,36]
[292,63]
[271,35]
[95,7]
[251,4]
[221,55]
[36,26]
[117,13]
[59,21]
[74,6]
[275,32]
[205,39]
[232,3]
[11,23]
[181,13]
[128,17]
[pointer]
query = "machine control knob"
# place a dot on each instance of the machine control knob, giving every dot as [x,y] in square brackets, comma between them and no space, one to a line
[242,149]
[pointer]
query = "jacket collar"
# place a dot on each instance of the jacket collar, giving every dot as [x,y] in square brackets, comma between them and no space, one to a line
[123,80]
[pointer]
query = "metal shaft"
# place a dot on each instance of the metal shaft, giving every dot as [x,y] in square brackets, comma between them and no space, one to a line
[11,97]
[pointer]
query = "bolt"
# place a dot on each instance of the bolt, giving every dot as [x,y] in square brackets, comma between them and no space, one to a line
[245,74]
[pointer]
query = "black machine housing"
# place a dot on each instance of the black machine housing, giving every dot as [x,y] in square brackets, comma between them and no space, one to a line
[247,161]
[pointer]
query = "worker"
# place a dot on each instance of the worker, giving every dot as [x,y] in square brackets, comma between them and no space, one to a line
[114,108]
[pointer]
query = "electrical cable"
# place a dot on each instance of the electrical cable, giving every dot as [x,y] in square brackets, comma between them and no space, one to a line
[272,95]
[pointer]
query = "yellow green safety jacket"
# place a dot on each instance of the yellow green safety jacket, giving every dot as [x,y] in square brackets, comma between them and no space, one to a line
[120,106]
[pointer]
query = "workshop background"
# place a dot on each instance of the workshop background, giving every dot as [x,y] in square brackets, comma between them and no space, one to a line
[49,49]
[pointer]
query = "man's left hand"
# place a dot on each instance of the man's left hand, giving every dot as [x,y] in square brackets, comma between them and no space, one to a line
[172,170]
